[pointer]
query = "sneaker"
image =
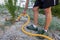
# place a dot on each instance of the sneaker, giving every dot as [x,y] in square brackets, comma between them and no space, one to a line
[43,33]
[31,27]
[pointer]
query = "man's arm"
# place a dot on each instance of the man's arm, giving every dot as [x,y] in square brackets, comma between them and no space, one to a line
[26,5]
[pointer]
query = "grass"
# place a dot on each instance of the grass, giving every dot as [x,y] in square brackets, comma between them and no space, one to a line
[56,10]
[12,8]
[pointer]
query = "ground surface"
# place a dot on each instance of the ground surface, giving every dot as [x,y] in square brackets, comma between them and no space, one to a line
[13,32]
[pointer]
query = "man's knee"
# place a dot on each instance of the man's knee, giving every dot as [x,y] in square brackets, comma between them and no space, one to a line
[35,9]
[47,10]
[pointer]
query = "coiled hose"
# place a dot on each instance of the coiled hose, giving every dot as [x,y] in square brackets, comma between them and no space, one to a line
[28,33]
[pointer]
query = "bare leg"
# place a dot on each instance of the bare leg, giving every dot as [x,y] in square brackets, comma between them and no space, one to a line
[35,10]
[48,15]
[47,22]
[34,26]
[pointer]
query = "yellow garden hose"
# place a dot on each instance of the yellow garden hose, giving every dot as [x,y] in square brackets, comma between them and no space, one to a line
[28,33]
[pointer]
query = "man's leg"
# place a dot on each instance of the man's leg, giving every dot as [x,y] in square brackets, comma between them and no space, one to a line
[35,10]
[48,15]
[34,25]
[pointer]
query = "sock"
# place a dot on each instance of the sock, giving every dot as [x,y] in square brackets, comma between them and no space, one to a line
[45,30]
[34,26]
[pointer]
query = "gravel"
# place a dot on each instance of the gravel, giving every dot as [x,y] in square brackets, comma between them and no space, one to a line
[13,32]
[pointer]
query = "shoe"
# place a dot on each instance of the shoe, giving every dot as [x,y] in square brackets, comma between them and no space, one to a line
[41,32]
[31,27]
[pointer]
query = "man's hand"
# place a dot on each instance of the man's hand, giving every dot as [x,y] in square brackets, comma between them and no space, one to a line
[24,12]
[26,7]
